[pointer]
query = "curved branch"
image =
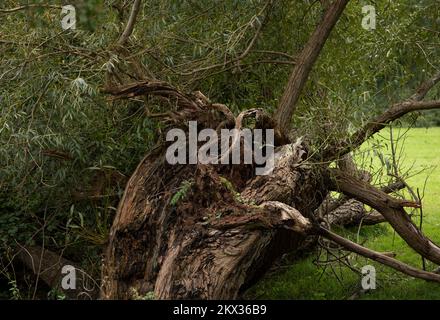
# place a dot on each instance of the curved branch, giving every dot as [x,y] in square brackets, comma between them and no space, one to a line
[394,112]
[305,62]
[130,24]
[424,88]
[392,209]
[157,88]
[379,257]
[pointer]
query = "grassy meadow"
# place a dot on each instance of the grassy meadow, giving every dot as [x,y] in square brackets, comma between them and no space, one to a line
[418,150]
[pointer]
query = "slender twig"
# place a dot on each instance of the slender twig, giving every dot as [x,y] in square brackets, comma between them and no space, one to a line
[396,167]
[29,6]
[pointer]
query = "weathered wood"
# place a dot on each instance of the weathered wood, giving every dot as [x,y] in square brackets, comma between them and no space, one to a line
[353,213]
[210,245]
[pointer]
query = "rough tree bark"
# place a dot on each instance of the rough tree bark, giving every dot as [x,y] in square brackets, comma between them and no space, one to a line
[172,250]
[214,242]
[209,231]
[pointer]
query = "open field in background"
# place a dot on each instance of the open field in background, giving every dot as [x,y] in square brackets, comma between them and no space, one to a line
[304,280]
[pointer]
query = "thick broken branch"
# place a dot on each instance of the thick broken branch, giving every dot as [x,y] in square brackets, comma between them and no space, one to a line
[305,62]
[346,211]
[331,204]
[350,212]
[274,214]
[379,257]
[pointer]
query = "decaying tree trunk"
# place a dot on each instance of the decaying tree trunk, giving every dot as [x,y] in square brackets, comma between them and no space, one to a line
[209,231]
[216,239]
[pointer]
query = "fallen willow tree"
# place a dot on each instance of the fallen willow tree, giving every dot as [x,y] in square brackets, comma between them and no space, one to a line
[207,231]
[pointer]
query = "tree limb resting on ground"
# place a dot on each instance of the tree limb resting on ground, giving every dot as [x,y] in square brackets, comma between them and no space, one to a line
[379,257]
[392,209]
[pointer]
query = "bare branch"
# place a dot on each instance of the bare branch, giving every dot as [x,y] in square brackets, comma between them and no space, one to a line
[305,62]
[157,88]
[48,266]
[131,22]
[424,88]
[393,113]
[353,213]
[379,257]
[392,209]
[276,53]
[396,111]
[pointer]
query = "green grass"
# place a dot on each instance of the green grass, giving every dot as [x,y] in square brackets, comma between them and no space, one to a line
[304,280]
